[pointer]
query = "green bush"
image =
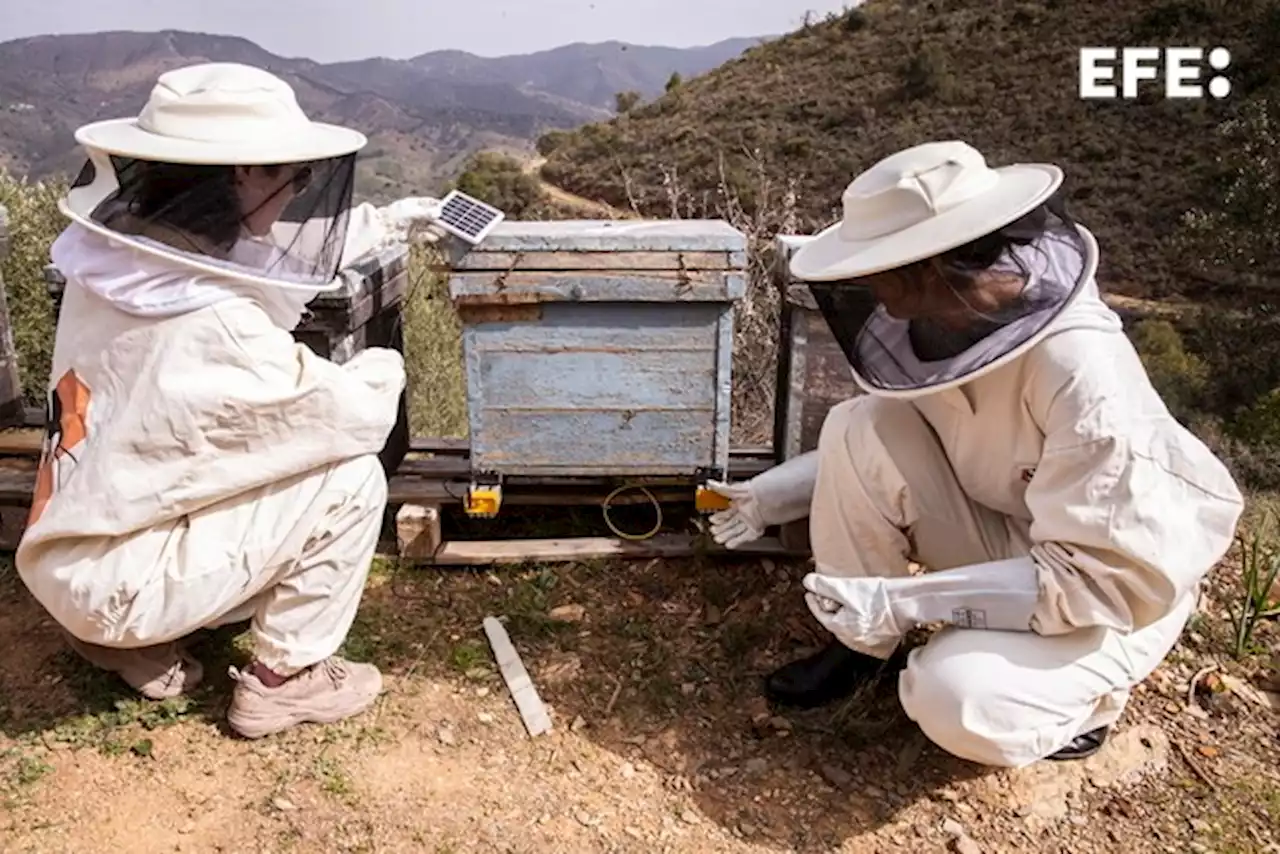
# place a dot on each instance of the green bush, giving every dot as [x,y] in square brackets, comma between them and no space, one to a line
[926,75]
[625,102]
[501,181]
[551,141]
[34,223]
[1241,230]
[1180,377]
[1259,425]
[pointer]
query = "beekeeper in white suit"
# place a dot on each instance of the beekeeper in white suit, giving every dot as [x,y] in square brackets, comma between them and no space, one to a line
[1010,442]
[201,467]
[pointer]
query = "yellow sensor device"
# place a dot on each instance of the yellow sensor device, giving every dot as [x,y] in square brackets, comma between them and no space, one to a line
[483,501]
[709,501]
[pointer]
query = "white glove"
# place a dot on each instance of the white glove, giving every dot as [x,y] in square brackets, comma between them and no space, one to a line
[416,217]
[782,494]
[872,615]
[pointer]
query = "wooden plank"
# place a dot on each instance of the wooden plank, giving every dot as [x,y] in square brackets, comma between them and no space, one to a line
[13,523]
[441,468]
[585,235]
[21,440]
[483,259]
[418,530]
[17,479]
[18,475]
[613,286]
[532,710]
[514,552]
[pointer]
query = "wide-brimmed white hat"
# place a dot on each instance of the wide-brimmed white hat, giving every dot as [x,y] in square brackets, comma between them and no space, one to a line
[221,113]
[919,203]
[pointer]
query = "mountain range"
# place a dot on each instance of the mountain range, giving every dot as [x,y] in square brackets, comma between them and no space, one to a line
[424,115]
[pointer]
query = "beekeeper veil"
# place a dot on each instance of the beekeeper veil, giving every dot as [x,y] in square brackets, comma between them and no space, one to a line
[224,173]
[943,268]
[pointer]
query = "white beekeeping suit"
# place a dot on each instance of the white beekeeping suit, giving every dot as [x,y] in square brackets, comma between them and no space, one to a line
[201,467]
[1009,440]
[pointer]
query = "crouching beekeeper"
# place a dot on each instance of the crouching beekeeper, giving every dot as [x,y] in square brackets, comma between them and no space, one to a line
[201,468]
[1009,442]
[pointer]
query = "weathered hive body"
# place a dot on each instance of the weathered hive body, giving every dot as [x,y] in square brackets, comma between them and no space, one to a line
[364,312]
[813,372]
[600,348]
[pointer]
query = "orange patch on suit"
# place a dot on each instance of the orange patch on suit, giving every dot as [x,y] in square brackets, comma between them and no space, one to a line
[65,429]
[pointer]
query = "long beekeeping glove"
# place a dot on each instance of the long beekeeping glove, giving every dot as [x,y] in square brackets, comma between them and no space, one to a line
[872,615]
[370,228]
[782,494]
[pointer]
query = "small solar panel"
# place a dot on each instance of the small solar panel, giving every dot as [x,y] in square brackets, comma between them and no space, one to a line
[468,218]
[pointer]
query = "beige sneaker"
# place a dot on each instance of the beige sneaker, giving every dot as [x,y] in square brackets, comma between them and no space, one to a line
[325,693]
[156,672]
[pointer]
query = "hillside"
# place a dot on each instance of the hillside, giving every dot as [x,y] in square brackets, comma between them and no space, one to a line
[823,103]
[589,74]
[424,116]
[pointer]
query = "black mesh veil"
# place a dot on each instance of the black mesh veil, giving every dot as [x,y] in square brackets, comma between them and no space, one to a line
[282,224]
[1044,260]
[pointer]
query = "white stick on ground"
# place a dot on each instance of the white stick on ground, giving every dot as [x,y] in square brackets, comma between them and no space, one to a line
[532,711]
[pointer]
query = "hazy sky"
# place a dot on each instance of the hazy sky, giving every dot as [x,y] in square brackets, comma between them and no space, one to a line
[329,30]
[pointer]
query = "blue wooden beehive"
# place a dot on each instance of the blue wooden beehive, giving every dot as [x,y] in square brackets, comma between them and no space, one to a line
[600,348]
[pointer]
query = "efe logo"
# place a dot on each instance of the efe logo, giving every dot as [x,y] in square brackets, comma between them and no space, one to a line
[1180,67]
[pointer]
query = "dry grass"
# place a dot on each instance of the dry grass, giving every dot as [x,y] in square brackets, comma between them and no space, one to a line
[433,352]
[661,740]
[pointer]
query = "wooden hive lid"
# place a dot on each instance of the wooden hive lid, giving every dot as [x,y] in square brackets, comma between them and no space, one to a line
[604,244]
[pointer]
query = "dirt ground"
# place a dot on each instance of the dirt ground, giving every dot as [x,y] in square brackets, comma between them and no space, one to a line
[661,741]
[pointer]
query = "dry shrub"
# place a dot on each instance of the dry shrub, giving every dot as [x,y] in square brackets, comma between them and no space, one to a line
[34,222]
[756,203]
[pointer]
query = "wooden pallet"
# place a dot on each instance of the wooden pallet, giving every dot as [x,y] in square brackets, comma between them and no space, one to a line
[435,475]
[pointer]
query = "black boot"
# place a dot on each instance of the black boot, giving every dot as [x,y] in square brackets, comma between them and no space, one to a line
[1082,746]
[831,674]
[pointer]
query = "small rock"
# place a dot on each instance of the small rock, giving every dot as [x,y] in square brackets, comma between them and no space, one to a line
[578,723]
[758,708]
[875,793]
[689,817]
[568,613]
[688,689]
[965,845]
[485,718]
[283,804]
[187,828]
[446,737]
[836,776]
[781,724]
[951,827]
[757,765]
[482,692]
[746,828]
[585,819]
[628,770]
[633,832]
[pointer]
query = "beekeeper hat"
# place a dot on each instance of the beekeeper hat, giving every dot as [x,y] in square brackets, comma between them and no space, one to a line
[225,114]
[918,203]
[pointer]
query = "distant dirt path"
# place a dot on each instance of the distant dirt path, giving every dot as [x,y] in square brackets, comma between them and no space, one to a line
[564,197]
